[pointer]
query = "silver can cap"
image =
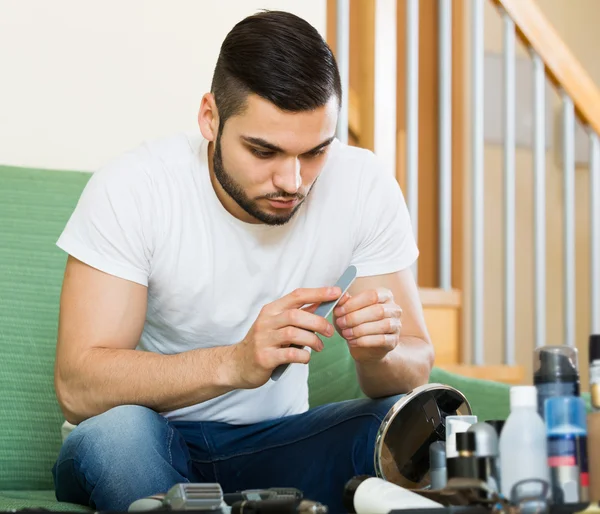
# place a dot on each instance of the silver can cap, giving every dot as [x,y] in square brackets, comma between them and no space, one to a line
[486,439]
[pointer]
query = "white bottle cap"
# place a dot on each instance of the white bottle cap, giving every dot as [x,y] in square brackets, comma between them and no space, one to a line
[454,425]
[523,396]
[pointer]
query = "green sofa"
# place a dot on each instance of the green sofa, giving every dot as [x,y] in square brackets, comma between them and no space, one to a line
[34,206]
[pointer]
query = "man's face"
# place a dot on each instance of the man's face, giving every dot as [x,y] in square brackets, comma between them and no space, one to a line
[267,160]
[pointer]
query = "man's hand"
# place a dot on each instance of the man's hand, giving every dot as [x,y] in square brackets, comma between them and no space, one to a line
[280,324]
[370,322]
[390,358]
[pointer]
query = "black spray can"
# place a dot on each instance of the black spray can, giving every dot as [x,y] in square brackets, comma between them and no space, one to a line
[555,373]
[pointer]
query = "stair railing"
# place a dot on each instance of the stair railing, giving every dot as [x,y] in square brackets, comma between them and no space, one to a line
[550,60]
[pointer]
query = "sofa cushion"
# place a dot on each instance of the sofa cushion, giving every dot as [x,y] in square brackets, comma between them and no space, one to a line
[489,400]
[34,206]
[36,500]
[332,378]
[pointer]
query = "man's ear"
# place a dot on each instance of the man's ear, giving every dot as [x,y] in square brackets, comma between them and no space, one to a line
[208,117]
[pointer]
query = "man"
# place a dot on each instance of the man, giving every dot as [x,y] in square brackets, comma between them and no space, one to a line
[196,261]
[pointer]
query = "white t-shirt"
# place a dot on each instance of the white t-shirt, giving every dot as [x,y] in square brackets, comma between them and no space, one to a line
[152,217]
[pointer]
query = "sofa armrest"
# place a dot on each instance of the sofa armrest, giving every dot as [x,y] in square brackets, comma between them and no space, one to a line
[489,400]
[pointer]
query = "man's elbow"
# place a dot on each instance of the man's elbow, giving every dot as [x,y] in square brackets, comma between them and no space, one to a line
[427,361]
[422,365]
[69,401]
[429,356]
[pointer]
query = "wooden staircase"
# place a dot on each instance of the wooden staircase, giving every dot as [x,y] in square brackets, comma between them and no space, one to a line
[442,308]
[443,313]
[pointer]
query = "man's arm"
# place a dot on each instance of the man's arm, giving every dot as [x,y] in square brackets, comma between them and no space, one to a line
[97,368]
[101,321]
[390,358]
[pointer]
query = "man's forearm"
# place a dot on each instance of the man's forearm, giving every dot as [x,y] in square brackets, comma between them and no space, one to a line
[403,369]
[103,378]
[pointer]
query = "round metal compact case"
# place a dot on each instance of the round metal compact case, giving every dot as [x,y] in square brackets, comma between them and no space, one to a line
[410,427]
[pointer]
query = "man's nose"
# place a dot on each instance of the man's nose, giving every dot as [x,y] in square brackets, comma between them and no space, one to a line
[288,177]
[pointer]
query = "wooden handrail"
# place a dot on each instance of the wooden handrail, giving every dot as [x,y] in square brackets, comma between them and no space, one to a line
[562,67]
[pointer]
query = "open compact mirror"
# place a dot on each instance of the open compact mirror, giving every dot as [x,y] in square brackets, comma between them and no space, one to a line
[414,422]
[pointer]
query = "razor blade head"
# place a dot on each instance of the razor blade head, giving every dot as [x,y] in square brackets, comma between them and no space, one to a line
[206,497]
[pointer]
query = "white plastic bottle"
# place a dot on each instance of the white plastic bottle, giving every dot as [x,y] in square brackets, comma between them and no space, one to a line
[523,446]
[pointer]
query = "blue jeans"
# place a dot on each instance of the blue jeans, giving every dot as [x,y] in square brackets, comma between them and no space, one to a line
[130,452]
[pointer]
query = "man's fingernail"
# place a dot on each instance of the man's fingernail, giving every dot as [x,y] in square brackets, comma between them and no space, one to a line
[347,333]
[336,291]
[330,330]
[341,311]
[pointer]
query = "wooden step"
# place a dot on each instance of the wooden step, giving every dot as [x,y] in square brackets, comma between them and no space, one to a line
[513,375]
[442,309]
[442,316]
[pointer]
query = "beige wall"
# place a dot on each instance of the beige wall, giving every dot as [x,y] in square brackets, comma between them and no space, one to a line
[83,82]
[576,22]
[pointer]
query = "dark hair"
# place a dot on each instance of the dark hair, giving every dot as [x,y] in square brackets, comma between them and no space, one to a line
[281,58]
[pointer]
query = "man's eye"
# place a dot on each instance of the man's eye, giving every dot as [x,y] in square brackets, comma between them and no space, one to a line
[262,154]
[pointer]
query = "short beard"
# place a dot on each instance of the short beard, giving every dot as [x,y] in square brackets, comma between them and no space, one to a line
[235,191]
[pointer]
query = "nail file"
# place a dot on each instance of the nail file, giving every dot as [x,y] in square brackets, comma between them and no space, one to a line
[323,310]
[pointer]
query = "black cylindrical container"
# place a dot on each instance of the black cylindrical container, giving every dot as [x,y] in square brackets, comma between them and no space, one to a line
[595,370]
[555,374]
[465,465]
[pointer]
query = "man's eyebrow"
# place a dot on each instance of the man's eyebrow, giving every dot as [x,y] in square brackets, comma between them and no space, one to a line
[270,146]
[325,143]
[257,141]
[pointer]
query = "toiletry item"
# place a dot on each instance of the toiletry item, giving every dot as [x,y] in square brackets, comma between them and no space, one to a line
[464,465]
[593,426]
[497,425]
[411,425]
[486,439]
[556,373]
[486,450]
[523,451]
[532,497]
[595,371]
[437,465]
[371,495]
[566,428]
[288,506]
[454,425]
[465,444]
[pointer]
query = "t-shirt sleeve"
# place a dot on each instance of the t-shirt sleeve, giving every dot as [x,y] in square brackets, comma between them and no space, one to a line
[384,241]
[111,226]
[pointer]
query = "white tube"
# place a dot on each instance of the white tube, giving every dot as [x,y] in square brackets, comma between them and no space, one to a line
[539,197]
[477,181]
[376,496]
[343,61]
[445,143]
[569,217]
[595,233]
[509,190]
[412,115]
